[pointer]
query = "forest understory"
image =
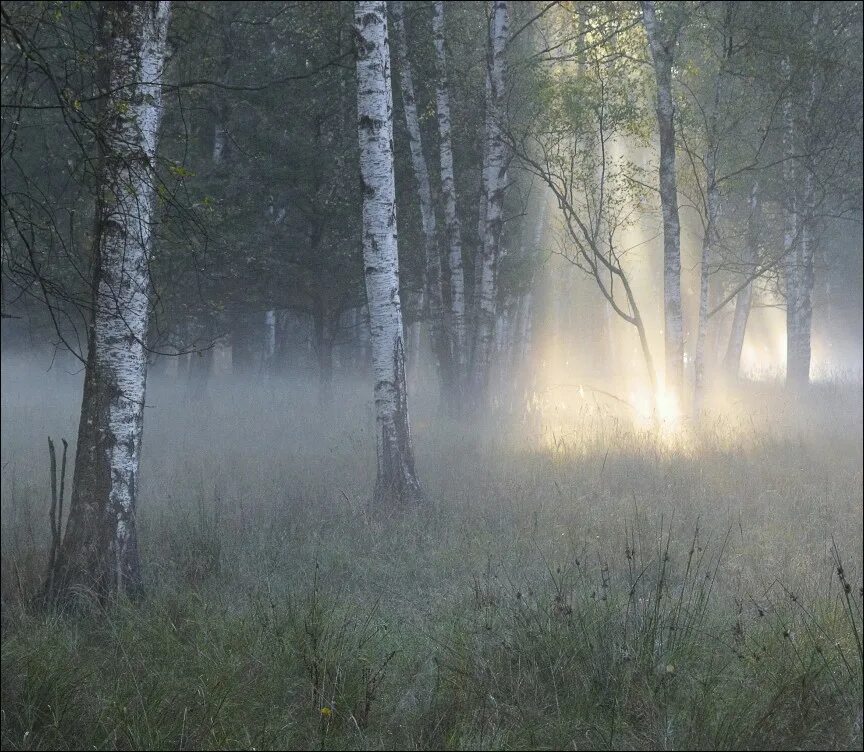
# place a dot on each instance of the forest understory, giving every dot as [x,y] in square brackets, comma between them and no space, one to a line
[575,581]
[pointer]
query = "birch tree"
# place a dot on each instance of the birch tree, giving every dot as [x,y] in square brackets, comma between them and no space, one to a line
[662,39]
[456,324]
[396,481]
[100,548]
[790,230]
[433,296]
[711,235]
[494,169]
[802,218]
[568,148]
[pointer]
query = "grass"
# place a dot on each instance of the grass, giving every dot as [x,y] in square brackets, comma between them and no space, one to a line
[577,582]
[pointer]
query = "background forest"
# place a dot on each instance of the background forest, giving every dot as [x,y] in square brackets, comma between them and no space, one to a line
[606,256]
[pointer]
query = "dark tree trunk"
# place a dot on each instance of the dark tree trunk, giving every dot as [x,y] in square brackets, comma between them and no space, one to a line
[198,374]
[324,350]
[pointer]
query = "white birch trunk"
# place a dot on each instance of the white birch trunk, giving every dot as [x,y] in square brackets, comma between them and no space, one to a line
[100,550]
[459,355]
[493,185]
[396,479]
[434,297]
[482,197]
[673,337]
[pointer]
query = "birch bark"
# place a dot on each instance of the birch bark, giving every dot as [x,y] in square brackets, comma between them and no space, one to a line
[100,550]
[434,297]
[494,169]
[459,355]
[396,481]
[662,52]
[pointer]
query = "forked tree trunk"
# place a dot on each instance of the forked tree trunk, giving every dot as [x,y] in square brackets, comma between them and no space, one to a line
[434,298]
[494,169]
[99,553]
[459,354]
[744,299]
[662,46]
[396,481]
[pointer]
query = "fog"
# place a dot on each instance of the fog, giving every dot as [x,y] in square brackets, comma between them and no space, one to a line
[462,375]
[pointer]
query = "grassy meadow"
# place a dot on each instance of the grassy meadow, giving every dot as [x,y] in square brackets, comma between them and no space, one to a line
[575,582]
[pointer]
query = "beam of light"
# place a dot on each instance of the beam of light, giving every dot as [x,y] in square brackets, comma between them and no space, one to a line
[763,356]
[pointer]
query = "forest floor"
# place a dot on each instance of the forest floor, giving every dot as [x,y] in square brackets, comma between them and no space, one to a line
[576,582]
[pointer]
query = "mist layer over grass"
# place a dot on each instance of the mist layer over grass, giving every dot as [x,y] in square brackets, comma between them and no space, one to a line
[577,581]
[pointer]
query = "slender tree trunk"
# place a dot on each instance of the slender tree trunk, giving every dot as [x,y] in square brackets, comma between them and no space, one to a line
[710,239]
[324,351]
[458,345]
[709,243]
[201,362]
[198,365]
[744,299]
[413,336]
[283,346]
[673,337]
[482,199]
[396,478]
[791,243]
[526,326]
[246,345]
[494,184]
[100,550]
[716,325]
[365,338]
[269,341]
[800,360]
[525,367]
[799,348]
[198,378]
[220,131]
[434,298]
